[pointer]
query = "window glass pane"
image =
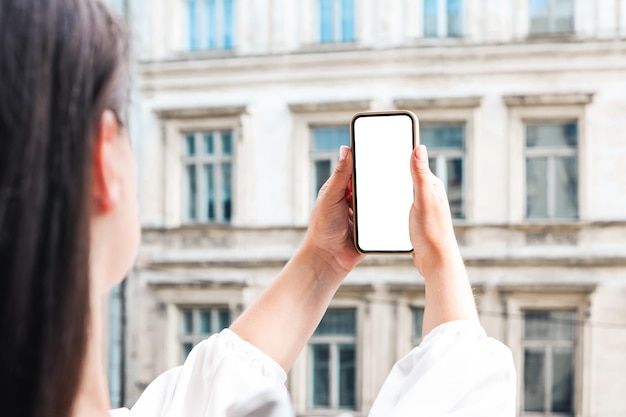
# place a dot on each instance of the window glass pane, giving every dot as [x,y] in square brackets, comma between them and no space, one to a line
[430,18]
[320,359]
[566,187]
[211,23]
[454,18]
[209,146]
[227,142]
[338,322]
[227,191]
[443,136]
[322,173]
[187,316]
[326,20]
[534,379]
[563,16]
[536,188]
[210,183]
[191,192]
[347,20]
[229,21]
[187,347]
[330,139]
[205,322]
[454,186]
[562,379]
[551,135]
[224,319]
[347,376]
[539,16]
[538,7]
[192,14]
[190,144]
[537,325]
[550,325]
[418,322]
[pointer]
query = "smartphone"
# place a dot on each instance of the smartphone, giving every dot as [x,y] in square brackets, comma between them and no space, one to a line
[382,188]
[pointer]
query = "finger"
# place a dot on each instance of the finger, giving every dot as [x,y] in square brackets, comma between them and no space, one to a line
[420,171]
[338,183]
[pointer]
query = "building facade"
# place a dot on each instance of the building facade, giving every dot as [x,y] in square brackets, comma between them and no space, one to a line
[240,109]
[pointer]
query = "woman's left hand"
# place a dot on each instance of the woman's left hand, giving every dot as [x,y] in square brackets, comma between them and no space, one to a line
[330,234]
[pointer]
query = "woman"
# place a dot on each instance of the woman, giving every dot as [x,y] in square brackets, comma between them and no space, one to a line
[69,231]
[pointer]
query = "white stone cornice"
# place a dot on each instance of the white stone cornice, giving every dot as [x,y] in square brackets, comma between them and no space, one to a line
[545,288]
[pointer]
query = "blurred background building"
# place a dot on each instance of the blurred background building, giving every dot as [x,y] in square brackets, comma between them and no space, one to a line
[239,110]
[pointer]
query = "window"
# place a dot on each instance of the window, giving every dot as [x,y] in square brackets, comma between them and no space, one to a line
[551,16]
[551,170]
[333,361]
[418,324]
[196,324]
[446,150]
[210,24]
[336,18]
[549,340]
[325,145]
[207,160]
[442,18]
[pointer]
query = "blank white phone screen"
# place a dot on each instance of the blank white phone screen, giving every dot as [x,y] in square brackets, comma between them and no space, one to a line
[383,187]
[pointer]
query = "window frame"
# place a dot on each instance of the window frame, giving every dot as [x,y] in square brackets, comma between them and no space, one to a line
[202,34]
[443,28]
[453,110]
[175,122]
[551,154]
[445,154]
[200,160]
[551,17]
[331,156]
[547,346]
[543,108]
[334,341]
[305,116]
[337,23]
[196,336]
[521,298]
[166,320]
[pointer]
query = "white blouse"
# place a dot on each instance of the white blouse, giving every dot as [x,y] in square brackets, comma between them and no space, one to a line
[457,371]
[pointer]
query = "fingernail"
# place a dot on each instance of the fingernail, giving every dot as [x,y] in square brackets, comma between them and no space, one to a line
[343,152]
[420,152]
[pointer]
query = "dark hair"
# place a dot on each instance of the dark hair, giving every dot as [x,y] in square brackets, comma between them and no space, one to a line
[62,63]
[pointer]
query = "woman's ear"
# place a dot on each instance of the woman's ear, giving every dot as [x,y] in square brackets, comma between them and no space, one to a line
[106,188]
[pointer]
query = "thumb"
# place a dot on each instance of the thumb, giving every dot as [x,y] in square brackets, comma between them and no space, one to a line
[337,183]
[420,170]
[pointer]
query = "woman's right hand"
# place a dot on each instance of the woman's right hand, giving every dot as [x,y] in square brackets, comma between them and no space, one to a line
[436,253]
[430,223]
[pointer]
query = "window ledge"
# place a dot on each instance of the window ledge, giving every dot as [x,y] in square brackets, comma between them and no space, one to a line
[553,36]
[192,55]
[330,106]
[438,102]
[549,99]
[200,112]
[321,412]
[528,225]
[329,47]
